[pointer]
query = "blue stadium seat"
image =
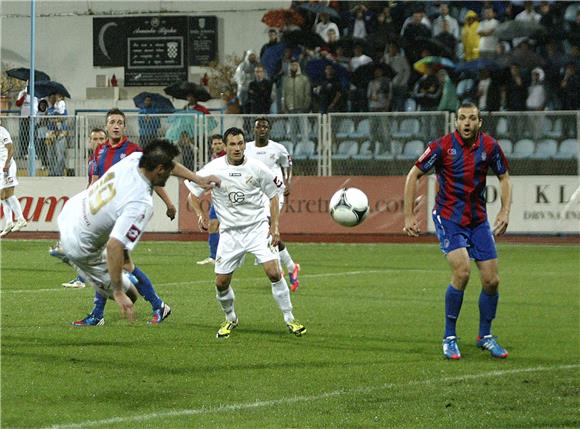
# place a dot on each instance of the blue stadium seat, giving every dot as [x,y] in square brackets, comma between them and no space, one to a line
[346,149]
[363,130]
[279,129]
[523,149]
[288,145]
[345,128]
[568,149]
[553,129]
[507,146]
[304,149]
[408,127]
[501,129]
[412,150]
[365,151]
[545,149]
[410,105]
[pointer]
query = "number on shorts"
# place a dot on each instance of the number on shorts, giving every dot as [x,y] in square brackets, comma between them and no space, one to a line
[102,193]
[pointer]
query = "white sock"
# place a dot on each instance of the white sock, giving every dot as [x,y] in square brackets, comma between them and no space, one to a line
[281,295]
[7,212]
[15,204]
[287,259]
[226,300]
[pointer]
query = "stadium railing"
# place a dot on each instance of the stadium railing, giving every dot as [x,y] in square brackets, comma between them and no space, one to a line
[354,144]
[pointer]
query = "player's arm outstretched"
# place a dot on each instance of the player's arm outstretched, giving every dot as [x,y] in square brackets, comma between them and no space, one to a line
[411,224]
[274,220]
[115,261]
[207,182]
[503,217]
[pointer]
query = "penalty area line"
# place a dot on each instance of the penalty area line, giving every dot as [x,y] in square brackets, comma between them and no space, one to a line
[286,401]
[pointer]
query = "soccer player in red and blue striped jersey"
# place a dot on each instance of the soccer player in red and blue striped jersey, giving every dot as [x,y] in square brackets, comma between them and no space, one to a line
[461,161]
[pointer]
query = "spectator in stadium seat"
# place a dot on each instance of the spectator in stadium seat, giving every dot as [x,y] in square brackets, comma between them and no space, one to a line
[324,25]
[536,99]
[398,62]
[296,98]
[243,76]
[260,92]
[444,17]
[516,90]
[148,125]
[272,41]
[379,91]
[330,94]
[27,107]
[487,39]
[245,228]
[469,37]
[427,91]
[570,87]
[449,101]
[411,31]
[461,221]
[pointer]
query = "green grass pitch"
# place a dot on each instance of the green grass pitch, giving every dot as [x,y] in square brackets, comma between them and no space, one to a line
[371,357]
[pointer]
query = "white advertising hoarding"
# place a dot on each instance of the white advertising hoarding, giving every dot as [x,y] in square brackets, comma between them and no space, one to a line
[42,199]
[540,204]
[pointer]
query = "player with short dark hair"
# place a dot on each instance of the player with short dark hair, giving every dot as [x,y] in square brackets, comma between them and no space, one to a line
[244,226]
[461,160]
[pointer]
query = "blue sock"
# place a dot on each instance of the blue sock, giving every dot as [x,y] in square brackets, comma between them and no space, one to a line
[453,301]
[99,309]
[145,288]
[80,278]
[487,309]
[213,240]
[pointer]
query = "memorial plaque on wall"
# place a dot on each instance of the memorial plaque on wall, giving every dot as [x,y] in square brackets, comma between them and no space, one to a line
[156,50]
[108,42]
[202,40]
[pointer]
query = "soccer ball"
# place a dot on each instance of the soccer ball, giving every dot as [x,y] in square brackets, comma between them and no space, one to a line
[349,206]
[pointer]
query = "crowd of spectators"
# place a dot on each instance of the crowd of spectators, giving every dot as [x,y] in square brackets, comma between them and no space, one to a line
[358,57]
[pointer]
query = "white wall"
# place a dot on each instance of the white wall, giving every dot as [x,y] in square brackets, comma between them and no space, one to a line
[64,38]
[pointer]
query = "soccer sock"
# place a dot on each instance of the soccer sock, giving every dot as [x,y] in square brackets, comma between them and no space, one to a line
[15,205]
[281,295]
[213,240]
[453,301]
[7,212]
[99,302]
[145,289]
[286,259]
[487,309]
[226,300]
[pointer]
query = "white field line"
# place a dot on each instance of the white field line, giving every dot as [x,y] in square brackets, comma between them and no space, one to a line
[286,401]
[210,279]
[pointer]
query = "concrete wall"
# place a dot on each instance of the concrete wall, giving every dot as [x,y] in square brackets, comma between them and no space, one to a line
[64,35]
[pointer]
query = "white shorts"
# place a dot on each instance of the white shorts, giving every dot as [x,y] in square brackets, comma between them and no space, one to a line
[91,266]
[8,180]
[235,243]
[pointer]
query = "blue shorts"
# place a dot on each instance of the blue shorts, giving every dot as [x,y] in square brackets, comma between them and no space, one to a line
[478,240]
[212,213]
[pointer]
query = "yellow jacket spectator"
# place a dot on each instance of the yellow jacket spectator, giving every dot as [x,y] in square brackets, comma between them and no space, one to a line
[469,37]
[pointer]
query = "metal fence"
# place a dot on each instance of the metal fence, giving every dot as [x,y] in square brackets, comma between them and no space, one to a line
[334,144]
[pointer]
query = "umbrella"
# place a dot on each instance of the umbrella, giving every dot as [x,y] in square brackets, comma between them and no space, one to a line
[46,87]
[364,74]
[476,65]
[279,18]
[439,62]
[511,29]
[180,90]
[436,47]
[314,69]
[348,43]
[305,38]
[272,59]
[161,104]
[23,73]
[320,8]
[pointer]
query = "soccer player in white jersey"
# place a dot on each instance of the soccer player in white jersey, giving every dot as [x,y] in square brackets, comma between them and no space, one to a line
[278,160]
[100,226]
[8,182]
[244,226]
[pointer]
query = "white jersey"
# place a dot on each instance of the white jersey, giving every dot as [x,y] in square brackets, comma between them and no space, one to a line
[274,155]
[5,139]
[238,201]
[118,205]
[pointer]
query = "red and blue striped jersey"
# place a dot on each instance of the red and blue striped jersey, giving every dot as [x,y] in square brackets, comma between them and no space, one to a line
[461,173]
[107,155]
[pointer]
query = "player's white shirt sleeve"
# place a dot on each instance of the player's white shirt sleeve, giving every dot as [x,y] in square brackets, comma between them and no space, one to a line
[274,155]
[131,223]
[5,139]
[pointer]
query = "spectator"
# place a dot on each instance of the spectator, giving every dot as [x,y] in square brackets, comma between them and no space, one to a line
[555,62]
[379,91]
[330,92]
[411,31]
[527,15]
[444,17]
[570,87]
[232,105]
[272,41]
[358,94]
[449,101]
[445,38]
[385,30]
[516,90]
[483,90]
[427,91]
[536,99]
[341,58]
[359,58]
[526,57]
[23,101]
[148,125]
[260,92]
[469,37]
[400,66]
[552,20]
[243,76]
[296,90]
[360,21]
[324,25]
[417,16]
[56,140]
[487,39]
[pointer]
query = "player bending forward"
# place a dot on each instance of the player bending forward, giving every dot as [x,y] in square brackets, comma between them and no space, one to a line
[101,226]
[244,226]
